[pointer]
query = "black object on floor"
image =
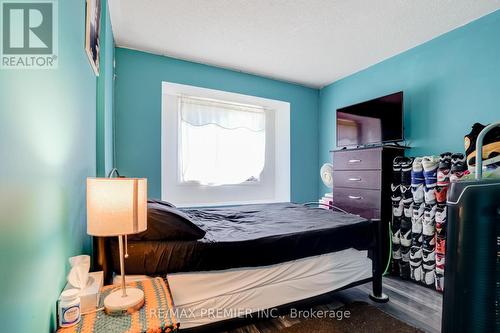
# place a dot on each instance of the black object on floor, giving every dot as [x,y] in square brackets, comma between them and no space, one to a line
[472,275]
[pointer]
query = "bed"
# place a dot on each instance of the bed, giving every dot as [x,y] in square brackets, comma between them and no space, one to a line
[256,257]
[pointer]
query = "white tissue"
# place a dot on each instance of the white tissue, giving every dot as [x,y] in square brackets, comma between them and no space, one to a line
[78,276]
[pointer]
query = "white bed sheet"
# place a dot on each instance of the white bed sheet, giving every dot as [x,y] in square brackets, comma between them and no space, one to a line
[202,298]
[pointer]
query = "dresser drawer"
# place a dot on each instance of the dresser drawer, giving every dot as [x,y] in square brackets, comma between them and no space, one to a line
[365,179]
[365,203]
[362,159]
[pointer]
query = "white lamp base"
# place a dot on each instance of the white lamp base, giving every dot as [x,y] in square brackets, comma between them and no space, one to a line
[117,303]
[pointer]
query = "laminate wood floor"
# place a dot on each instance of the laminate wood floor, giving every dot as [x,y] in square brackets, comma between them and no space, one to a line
[409,302]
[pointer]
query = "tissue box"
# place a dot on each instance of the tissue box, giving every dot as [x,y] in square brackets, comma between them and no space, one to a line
[89,297]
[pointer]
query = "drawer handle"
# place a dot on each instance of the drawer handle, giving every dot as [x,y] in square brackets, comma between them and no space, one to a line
[353,197]
[354,161]
[354,179]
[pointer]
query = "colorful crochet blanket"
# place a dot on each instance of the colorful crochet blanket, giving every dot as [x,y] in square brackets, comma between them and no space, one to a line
[156,316]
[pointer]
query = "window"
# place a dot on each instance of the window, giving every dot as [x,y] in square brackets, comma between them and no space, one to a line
[221,148]
[221,143]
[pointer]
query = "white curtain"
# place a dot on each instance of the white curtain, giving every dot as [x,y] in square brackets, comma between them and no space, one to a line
[221,143]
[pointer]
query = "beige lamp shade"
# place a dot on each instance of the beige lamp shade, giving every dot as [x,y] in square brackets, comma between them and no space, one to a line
[116,206]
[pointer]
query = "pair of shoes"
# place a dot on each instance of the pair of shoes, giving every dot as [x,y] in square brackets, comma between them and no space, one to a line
[417,180]
[417,172]
[401,170]
[441,194]
[430,165]
[406,194]
[491,146]
[428,267]
[441,221]
[416,263]
[406,226]
[440,263]
[404,269]
[417,218]
[439,282]
[397,207]
[428,276]
[458,167]
[443,172]
[429,222]
[430,194]
[440,246]
[396,232]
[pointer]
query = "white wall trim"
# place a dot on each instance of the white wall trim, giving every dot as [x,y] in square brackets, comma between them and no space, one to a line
[277,174]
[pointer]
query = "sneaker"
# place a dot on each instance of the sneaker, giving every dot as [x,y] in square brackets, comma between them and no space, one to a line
[406,168]
[396,170]
[458,170]
[396,192]
[396,252]
[416,254]
[441,222]
[417,240]
[417,191]
[428,242]
[405,253]
[430,165]
[445,156]
[439,282]
[457,157]
[428,259]
[416,219]
[428,231]
[491,145]
[396,230]
[416,263]
[406,239]
[405,231]
[408,211]
[397,208]
[428,276]
[441,230]
[441,214]
[440,246]
[429,195]
[430,212]
[440,262]
[441,193]
[417,172]
[416,272]
[404,270]
[443,172]
[406,194]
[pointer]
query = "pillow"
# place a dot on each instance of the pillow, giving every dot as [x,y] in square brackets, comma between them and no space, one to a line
[166,222]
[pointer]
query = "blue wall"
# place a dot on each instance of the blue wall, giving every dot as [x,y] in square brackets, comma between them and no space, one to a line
[105,83]
[138,114]
[47,149]
[449,83]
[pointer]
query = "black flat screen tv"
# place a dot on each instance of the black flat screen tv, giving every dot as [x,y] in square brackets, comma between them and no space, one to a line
[373,122]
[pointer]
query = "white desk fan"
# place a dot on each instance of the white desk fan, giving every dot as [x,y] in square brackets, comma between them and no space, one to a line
[326,174]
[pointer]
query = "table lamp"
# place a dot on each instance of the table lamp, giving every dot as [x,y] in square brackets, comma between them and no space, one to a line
[118,207]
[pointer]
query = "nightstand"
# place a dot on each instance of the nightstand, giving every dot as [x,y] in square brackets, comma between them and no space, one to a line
[157,314]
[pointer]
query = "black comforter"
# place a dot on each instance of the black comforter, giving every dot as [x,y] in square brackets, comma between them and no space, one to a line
[249,236]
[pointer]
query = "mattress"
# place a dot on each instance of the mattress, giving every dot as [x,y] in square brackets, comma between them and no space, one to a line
[249,236]
[203,298]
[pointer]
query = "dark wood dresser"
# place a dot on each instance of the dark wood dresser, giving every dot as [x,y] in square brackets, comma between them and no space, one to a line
[362,185]
[362,180]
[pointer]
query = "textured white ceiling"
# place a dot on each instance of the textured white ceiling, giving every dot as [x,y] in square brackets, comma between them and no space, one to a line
[311,42]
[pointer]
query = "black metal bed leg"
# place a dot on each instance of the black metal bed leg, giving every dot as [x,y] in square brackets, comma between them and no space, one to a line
[377,263]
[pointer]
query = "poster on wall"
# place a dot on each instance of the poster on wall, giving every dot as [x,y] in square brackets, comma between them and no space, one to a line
[92,33]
